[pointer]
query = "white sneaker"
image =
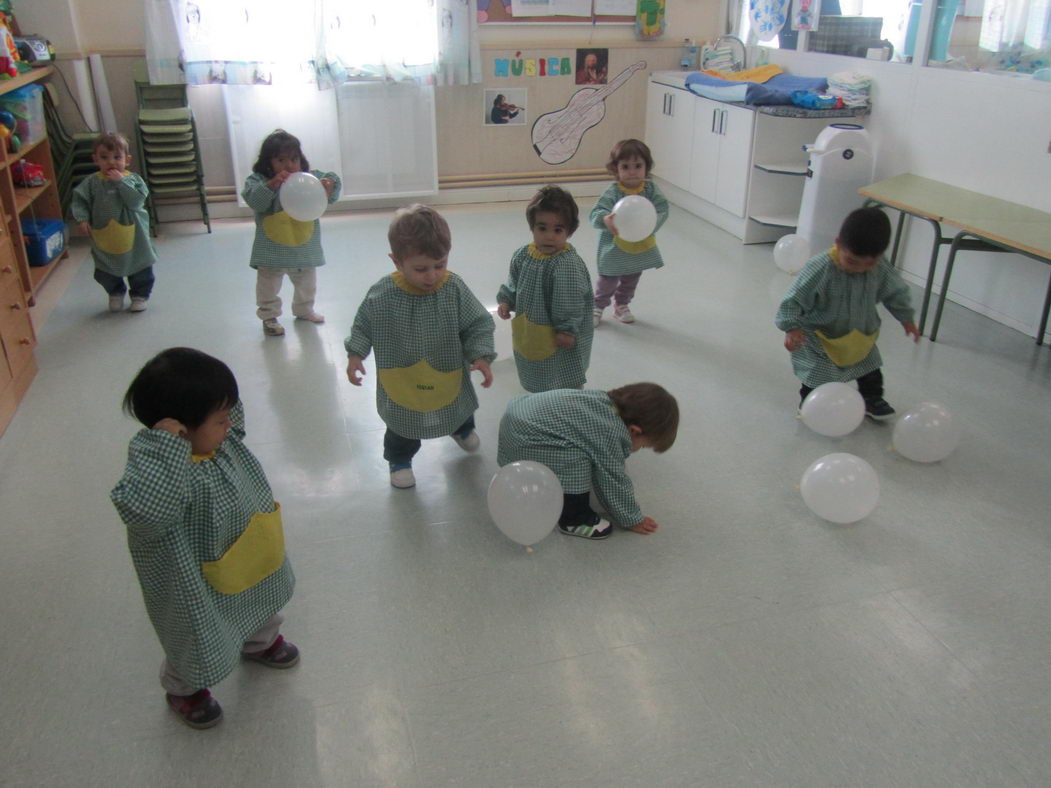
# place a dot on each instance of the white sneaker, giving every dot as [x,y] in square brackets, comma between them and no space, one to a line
[403,478]
[312,317]
[116,303]
[596,317]
[623,314]
[272,328]
[469,442]
[137,304]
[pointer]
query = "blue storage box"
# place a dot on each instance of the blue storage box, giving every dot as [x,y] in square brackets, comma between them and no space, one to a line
[45,239]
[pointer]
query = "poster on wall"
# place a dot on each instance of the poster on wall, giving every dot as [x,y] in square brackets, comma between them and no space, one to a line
[592,66]
[505,106]
[551,7]
[557,135]
[805,14]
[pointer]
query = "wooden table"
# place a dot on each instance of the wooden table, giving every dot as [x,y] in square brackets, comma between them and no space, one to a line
[988,224]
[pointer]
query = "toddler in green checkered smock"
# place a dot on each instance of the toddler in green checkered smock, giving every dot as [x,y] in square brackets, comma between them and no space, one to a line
[549,289]
[829,312]
[283,245]
[429,333]
[204,531]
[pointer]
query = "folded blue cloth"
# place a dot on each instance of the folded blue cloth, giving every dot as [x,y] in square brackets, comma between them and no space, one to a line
[776,90]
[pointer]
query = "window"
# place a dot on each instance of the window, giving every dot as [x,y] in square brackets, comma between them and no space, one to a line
[998,36]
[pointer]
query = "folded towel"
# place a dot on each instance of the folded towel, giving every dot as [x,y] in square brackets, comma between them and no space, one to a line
[759,74]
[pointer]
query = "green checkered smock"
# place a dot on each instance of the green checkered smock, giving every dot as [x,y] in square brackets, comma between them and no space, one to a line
[581,438]
[281,241]
[443,330]
[120,225]
[824,297]
[617,257]
[181,512]
[551,290]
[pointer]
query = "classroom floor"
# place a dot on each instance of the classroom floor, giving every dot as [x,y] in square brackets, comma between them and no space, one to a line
[746,643]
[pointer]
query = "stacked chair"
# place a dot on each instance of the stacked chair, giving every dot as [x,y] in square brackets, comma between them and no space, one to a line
[72,152]
[166,135]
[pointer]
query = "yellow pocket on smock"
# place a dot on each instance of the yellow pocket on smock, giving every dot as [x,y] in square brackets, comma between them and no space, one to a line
[283,229]
[849,349]
[114,238]
[532,341]
[635,247]
[421,388]
[257,554]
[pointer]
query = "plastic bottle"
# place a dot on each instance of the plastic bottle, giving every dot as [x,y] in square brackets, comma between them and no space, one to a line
[688,59]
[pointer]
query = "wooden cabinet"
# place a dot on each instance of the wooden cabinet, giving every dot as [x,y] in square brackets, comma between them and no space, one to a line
[18,280]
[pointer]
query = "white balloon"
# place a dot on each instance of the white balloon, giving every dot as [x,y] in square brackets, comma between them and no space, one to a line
[303,197]
[840,487]
[833,409]
[525,501]
[926,433]
[634,217]
[791,253]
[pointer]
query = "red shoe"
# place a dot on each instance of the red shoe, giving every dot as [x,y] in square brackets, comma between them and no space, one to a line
[199,710]
[281,654]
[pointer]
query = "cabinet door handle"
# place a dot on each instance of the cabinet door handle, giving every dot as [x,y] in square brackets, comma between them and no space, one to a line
[714,111]
[722,121]
[671,104]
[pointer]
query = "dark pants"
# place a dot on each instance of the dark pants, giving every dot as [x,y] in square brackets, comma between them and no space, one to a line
[870,386]
[140,282]
[576,510]
[400,451]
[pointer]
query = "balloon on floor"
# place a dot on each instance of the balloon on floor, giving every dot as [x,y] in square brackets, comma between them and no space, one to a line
[525,501]
[833,409]
[841,488]
[791,253]
[303,197]
[926,433]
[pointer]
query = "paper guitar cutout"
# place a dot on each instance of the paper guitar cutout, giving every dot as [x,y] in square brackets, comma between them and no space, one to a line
[557,135]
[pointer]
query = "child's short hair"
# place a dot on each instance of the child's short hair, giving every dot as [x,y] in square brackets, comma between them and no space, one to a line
[419,229]
[650,408]
[183,384]
[629,149]
[554,199]
[865,232]
[111,140]
[278,142]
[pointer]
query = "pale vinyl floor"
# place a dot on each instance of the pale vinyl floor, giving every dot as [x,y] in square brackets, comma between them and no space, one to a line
[747,643]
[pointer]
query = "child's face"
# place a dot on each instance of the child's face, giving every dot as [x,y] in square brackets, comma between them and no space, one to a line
[285,162]
[855,263]
[549,232]
[631,172]
[106,159]
[420,271]
[211,433]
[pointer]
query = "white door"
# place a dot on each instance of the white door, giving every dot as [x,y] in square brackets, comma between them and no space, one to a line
[735,127]
[704,171]
[669,134]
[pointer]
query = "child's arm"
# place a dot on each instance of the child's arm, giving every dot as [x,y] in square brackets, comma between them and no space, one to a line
[133,191]
[359,344]
[80,206]
[660,202]
[505,297]
[258,193]
[153,494]
[571,287]
[476,333]
[615,490]
[332,183]
[602,209]
[798,301]
[894,294]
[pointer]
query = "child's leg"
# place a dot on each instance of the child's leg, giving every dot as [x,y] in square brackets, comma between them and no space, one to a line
[465,436]
[267,286]
[398,450]
[268,646]
[626,289]
[604,289]
[141,283]
[871,385]
[576,509]
[114,285]
[173,683]
[304,284]
[804,392]
[196,707]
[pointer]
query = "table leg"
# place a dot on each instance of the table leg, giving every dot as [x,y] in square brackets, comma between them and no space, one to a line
[897,239]
[930,272]
[1043,316]
[945,284]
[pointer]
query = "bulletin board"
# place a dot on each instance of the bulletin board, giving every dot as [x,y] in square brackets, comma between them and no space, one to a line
[498,12]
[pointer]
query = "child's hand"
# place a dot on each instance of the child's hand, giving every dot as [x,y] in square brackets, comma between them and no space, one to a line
[354,366]
[565,340]
[173,427]
[275,183]
[608,221]
[329,185]
[85,228]
[504,310]
[912,331]
[115,175]
[647,526]
[482,366]
[794,340]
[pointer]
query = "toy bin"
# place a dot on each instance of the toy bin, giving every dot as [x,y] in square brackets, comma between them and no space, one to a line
[45,239]
[27,105]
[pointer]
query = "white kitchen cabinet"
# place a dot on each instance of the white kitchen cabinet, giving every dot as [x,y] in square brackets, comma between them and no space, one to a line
[722,151]
[669,132]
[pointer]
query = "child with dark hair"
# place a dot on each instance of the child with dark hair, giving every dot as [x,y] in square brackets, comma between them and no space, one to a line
[549,289]
[110,206]
[430,333]
[829,313]
[284,245]
[620,262]
[204,530]
[584,437]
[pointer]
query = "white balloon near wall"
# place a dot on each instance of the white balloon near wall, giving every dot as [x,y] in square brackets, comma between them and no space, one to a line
[791,253]
[840,488]
[926,433]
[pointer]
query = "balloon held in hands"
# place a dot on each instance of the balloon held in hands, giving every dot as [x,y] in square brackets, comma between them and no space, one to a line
[635,218]
[303,197]
[525,501]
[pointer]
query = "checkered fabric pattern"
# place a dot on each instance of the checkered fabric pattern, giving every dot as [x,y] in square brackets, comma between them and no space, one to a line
[552,290]
[448,328]
[825,297]
[268,253]
[179,514]
[612,260]
[98,201]
[581,438]
[841,35]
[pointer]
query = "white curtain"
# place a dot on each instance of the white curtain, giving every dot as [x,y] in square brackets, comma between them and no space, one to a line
[1017,24]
